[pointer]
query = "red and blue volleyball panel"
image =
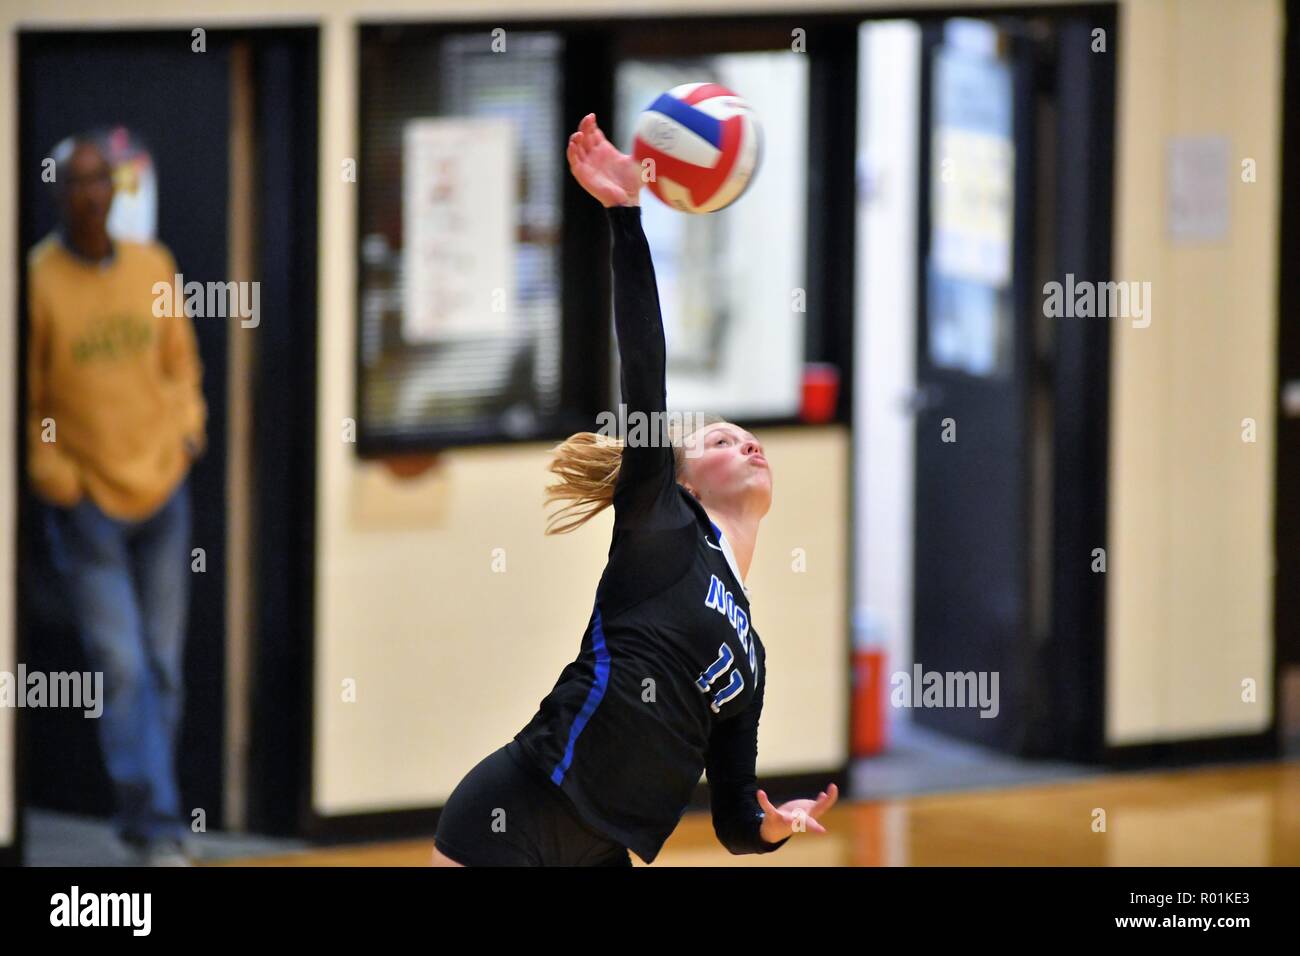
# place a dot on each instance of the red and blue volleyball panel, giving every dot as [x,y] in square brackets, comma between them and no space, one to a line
[704,141]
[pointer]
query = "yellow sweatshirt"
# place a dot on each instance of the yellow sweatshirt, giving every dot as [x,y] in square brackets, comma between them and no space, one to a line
[113,392]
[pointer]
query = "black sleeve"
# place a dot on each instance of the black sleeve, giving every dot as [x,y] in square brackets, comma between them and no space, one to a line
[647,475]
[733,785]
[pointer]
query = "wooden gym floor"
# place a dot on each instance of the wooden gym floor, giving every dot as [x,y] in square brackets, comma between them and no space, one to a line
[1238,816]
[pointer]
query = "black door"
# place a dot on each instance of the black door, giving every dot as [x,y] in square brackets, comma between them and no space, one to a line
[974,353]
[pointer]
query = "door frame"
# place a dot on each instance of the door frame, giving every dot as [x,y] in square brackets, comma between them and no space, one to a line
[284,387]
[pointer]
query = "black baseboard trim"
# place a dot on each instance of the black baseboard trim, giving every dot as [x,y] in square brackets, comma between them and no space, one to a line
[1176,754]
[378,826]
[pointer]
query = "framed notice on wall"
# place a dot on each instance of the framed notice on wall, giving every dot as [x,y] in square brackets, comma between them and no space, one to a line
[458,216]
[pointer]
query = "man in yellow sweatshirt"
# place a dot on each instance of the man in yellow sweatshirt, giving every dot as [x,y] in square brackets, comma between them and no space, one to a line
[116,417]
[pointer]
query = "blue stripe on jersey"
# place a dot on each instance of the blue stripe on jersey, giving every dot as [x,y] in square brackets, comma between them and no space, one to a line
[717,532]
[593,697]
[708,128]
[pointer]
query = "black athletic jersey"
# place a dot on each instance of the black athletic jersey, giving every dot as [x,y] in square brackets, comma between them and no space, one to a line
[670,675]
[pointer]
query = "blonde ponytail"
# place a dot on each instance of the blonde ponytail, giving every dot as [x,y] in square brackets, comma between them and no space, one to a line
[587,464]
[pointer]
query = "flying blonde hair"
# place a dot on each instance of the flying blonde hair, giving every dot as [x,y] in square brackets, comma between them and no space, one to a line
[587,464]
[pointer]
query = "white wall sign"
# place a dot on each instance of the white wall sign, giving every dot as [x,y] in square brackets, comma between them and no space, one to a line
[134,213]
[1198,188]
[458,224]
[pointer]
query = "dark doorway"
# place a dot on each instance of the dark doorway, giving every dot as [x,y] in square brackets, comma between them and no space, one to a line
[177,102]
[180,103]
[1011,406]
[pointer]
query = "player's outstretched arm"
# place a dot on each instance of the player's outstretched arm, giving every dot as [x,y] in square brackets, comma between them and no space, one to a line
[613,178]
[610,176]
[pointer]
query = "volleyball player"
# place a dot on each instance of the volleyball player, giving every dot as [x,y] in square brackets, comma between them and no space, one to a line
[670,676]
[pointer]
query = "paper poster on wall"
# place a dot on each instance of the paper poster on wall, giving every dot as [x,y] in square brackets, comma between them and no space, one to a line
[969,268]
[1198,188]
[973,165]
[458,224]
[134,213]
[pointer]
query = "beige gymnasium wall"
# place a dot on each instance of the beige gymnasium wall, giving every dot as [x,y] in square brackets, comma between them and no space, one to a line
[1191,524]
[1196,596]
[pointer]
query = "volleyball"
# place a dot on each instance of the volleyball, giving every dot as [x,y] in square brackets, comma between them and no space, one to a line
[698,146]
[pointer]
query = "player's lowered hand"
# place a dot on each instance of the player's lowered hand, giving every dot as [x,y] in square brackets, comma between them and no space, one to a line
[795,815]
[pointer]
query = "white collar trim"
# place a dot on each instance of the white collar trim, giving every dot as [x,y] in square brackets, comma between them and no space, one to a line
[731,558]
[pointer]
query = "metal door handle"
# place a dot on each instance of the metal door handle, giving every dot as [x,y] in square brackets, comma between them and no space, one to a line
[923,398]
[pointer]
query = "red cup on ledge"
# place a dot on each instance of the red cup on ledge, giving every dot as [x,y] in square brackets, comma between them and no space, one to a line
[821,392]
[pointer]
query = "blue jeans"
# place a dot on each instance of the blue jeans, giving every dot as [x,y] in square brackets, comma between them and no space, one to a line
[128,588]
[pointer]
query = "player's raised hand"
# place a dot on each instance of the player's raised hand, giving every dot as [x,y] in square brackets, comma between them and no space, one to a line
[780,822]
[612,177]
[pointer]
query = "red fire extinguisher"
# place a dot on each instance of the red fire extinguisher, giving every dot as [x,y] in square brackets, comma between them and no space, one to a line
[869,690]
